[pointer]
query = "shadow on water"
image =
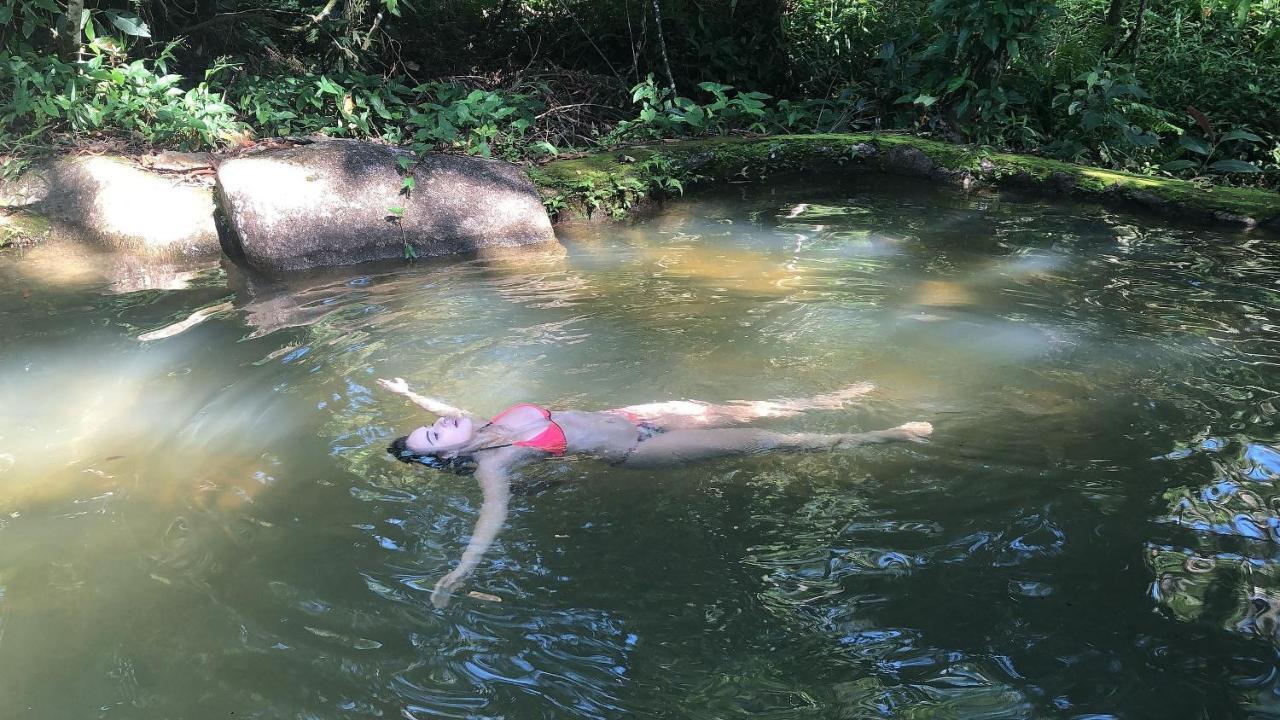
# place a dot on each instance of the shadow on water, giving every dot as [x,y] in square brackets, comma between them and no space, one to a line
[197,516]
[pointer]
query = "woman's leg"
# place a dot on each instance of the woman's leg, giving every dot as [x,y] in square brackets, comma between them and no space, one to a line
[681,446]
[696,414]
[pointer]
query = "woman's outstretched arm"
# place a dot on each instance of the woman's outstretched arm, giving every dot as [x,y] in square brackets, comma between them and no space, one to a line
[681,446]
[431,405]
[493,515]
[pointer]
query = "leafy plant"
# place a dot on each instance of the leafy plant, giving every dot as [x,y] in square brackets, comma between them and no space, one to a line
[965,76]
[1106,110]
[1213,145]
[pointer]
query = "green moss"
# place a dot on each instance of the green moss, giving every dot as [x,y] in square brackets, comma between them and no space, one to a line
[616,180]
[22,229]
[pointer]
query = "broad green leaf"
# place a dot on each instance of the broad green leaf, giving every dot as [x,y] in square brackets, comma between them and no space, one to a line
[129,24]
[1179,165]
[1195,145]
[1139,138]
[991,39]
[328,86]
[379,107]
[408,183]
[924,100]
[1241,135]
[1235,166]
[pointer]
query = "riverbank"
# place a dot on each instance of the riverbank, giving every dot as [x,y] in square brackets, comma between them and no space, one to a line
[612,184]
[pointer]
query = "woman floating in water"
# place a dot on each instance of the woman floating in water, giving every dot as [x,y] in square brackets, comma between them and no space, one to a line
[666,433]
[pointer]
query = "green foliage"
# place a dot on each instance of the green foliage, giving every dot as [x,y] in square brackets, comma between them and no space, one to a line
[1105,111]
[666,115]
[41,94]
[615,184]
[1210,152]
[426,116]
[967,75]
[529,81]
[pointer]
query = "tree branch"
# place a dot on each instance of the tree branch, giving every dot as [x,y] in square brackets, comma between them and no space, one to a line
[263,13]
[662,45]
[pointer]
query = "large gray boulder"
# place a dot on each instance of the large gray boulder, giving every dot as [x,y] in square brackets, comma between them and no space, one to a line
[145,208]
[330,203]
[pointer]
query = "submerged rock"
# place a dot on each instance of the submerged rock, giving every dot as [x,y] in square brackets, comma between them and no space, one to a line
[340,202]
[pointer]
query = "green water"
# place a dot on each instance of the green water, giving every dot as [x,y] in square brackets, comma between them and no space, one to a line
[205,525]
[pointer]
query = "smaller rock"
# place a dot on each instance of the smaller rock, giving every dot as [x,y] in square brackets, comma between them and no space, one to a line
[1234,218]
[1061,181]
[909,161]
[126,207]
[1143,198]
[863,151]
[27,189]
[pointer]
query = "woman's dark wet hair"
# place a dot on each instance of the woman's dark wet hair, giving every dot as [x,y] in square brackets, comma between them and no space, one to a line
[462,465]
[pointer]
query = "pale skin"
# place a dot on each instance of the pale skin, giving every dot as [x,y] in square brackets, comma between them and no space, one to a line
[688,431]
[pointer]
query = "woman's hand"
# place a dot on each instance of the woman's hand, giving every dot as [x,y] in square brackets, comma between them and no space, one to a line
[443,591]
[397,386]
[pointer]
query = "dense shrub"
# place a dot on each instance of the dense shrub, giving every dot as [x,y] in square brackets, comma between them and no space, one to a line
[1186,88]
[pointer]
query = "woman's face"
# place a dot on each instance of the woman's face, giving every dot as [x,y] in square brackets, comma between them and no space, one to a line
[446,434]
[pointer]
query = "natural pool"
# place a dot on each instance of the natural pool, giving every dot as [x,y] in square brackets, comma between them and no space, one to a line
[205,524]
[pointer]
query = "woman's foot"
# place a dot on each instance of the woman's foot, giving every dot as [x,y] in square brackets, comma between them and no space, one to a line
[915,431]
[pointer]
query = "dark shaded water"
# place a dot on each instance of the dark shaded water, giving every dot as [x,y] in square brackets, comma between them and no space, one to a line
[205,523]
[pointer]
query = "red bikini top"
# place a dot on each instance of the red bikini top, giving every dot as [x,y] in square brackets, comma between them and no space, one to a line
[550,440]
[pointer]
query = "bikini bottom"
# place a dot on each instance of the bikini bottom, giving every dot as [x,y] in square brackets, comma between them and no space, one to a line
[644,431]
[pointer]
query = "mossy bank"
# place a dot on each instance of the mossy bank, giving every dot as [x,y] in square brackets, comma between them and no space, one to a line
[22,229]
[614,182]
[141,205]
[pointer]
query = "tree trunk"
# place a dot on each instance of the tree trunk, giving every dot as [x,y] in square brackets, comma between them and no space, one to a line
[1133,43]
[69,39]
[1115,15]
[662,45]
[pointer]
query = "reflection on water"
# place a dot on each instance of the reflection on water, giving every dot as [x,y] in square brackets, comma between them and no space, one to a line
[197,517]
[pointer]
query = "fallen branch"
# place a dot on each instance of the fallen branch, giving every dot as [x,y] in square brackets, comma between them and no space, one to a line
[262,13]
